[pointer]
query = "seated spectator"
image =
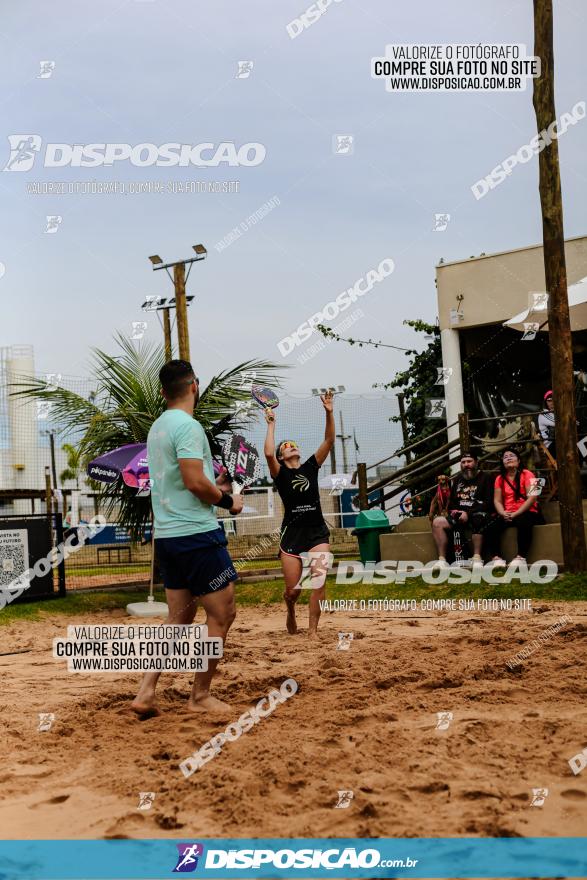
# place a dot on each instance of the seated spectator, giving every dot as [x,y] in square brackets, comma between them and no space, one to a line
[546,424]
[470,504]
[439,503]
[515,493]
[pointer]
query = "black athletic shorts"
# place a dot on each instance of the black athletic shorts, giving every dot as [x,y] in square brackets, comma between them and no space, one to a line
[296,539]
[199,563]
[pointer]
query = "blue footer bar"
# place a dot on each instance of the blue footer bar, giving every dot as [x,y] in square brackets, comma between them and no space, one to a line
[300,858]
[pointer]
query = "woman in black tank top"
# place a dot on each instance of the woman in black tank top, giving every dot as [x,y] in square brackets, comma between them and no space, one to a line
[304,529]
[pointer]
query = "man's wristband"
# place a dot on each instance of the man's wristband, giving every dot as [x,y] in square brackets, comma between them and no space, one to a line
[225,501]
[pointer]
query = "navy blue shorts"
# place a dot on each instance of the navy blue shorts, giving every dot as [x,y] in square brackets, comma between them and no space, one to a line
[199,563]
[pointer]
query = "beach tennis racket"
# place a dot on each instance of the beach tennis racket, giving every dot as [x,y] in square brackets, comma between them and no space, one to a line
[242,462]
[265,397]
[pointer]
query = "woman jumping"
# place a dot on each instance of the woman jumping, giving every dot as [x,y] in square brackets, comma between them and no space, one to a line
[304,529]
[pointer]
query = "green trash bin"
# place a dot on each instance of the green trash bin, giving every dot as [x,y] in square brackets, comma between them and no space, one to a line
[369,525]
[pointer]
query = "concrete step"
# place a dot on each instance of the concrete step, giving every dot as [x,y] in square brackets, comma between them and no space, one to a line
[414,545]
[551,511]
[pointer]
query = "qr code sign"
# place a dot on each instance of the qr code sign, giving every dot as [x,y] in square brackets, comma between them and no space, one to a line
[14,555]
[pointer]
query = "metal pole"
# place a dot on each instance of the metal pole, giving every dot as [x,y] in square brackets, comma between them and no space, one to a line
[61,564]
[53,465]
[343,438]
[404,424]
[181,311]
[48,502]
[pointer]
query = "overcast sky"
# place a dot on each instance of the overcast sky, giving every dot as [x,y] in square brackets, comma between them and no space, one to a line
[165,71]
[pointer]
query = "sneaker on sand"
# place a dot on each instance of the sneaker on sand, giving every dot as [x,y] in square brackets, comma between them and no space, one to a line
[441,563]
[497,560]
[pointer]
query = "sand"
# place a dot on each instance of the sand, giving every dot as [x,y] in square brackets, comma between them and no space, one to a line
[363,720]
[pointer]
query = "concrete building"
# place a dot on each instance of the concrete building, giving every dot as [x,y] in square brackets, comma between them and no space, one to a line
[475,298]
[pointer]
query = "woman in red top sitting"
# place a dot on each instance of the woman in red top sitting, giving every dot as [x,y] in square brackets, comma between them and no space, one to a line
[514,499]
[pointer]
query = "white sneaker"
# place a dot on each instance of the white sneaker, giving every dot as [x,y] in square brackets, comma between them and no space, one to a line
[476,561]
[441,563]
[499,562]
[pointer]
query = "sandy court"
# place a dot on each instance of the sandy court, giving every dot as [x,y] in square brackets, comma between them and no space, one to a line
[363,720]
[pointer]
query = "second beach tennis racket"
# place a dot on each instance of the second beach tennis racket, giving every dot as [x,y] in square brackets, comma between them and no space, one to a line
[265,397]
[242,462]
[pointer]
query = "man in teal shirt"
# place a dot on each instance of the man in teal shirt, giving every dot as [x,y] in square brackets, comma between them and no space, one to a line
[191,545]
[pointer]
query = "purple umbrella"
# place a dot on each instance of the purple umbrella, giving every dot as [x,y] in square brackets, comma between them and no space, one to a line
[128,462]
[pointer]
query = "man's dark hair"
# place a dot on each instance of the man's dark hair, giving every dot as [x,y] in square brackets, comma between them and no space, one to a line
[175,376]
[468,453]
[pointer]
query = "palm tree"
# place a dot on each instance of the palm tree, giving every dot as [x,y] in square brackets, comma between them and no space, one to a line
[74,465]
[125,404]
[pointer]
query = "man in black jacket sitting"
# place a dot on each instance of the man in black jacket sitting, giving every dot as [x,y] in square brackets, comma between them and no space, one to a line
[470,506]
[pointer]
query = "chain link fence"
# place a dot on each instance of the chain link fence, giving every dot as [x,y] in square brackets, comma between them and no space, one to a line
[37,456]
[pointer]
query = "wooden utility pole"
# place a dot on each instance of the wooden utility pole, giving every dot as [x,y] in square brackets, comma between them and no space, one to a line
[181,311]
[559,325]
[167,334]
[464,434]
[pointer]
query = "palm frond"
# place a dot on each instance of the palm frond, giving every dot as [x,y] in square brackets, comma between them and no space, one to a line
[127,402]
